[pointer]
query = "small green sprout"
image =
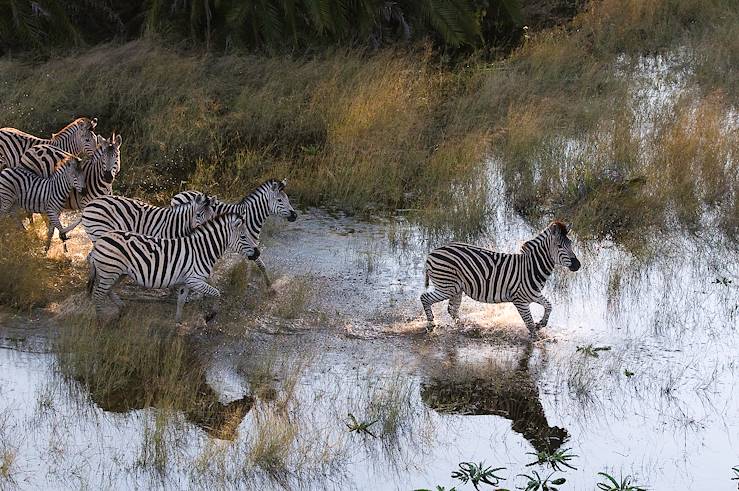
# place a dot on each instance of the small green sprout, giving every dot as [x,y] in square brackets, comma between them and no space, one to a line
[536,483]
[477,473]
[591,350]
[556,459]
[360,427]
[613,485]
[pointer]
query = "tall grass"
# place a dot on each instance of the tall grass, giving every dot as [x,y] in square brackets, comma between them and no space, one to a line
[402,129]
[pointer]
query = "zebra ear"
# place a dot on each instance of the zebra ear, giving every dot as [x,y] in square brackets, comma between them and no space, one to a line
[93,123]
[283,183]
[116,140]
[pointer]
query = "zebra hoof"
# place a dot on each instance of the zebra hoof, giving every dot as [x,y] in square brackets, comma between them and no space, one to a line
[430,326]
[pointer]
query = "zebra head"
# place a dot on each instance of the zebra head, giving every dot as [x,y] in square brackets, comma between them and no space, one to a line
[560,246]
[245,244]
[75,175]
[110,153]
[86,139]
[279,203]
[203,210]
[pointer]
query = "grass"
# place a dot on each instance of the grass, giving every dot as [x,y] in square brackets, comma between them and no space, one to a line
[402,129]
[29,278]
[294,300]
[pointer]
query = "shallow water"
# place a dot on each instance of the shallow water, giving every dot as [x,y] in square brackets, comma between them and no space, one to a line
[474,392]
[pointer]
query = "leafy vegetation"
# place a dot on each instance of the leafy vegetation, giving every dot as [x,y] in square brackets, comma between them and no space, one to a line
[356,426]
[611,484]
[537,483]
[265,24]
[591,350]
[556,459]
[477,474]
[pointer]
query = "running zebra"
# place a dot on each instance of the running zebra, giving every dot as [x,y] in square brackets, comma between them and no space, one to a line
[108,213]
[268,199]
[495,277]
[100,169]
[22,188]
[152,262]
[76,138]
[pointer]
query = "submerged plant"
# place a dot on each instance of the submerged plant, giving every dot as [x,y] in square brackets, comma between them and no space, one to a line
[477,473]
[555,459]
[591,350]
[736,474]
[360,427]
[628,373]
[613,485]
[437,488]
[536,483]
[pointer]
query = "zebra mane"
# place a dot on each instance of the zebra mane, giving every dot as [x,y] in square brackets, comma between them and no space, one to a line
[259,191]
[74,125]
[214,222]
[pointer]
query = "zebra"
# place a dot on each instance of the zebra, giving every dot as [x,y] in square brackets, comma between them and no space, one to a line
[495,277]
[22,188]
[267,199]
[100,169]
[120,213]
[154,262]
[76,138]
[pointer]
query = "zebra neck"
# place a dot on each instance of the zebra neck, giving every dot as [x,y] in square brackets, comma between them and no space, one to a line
[212,239]
[66,142]
[539,264]
[255,208]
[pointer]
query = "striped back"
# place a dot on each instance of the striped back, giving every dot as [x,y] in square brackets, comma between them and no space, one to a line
[120,213]
[40,194]
[156,262]
[76,138]
[268,199]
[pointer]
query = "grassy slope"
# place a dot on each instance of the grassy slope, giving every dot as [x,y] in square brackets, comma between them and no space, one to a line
[398,129]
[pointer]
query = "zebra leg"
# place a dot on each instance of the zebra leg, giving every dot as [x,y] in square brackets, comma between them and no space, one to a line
[427,300]
[525,313]
[54,223]
[267,281]
[104,288]
[204,288]
[182,293]
[453,308]
[541,300]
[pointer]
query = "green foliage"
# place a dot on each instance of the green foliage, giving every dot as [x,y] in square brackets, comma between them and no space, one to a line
[556,459]
[536,483]
[360,427]
[477,474]
[611,484]
[591,350]
[260,24]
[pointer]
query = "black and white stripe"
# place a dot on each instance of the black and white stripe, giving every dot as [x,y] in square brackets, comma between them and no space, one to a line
[494,277]
[269,199]
[108,213]
[152,262]
[21,188]
[77,138]
[100,170]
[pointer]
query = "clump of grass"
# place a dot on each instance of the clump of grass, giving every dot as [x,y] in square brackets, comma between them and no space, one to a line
[273,437]
[293,302]
[27,277]
[592,351]
[556,459]
[7,462]
[624,484]
[356,426]
[536,483]
[477,474]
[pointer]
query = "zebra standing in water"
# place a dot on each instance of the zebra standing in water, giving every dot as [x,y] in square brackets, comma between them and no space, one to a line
[268,199]
[22,188]
[152,262]
[100,169]
[76,138]
[494,277]
[108,213]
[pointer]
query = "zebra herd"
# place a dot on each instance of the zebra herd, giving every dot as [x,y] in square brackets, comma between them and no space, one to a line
[177,246]
[157,247]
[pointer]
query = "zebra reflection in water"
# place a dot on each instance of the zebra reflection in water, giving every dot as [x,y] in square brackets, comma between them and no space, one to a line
[505,391]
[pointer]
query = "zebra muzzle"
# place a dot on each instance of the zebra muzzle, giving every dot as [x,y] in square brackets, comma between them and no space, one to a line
[254,255]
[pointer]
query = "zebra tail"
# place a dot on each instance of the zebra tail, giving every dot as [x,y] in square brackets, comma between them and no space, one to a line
[93,275]
[425,278]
